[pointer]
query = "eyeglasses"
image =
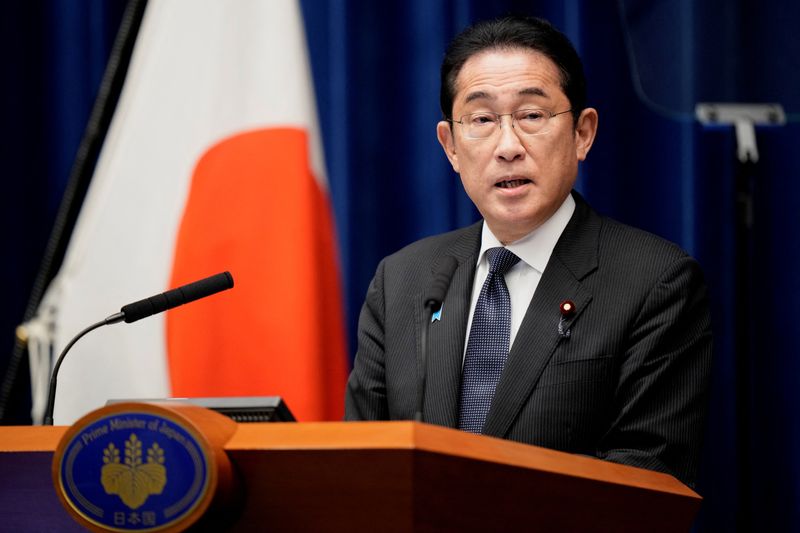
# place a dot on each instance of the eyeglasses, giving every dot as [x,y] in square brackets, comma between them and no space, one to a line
[484,124]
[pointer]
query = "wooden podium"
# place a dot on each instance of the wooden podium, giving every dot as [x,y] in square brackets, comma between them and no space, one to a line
[385,476]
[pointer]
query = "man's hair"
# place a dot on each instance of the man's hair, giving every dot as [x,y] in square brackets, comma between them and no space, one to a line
[510,33]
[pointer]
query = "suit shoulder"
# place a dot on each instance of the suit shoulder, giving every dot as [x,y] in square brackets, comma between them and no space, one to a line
[634,240]
[426,251]
[637,249]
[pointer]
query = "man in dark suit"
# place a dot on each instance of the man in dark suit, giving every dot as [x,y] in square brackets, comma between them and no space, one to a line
[560,328]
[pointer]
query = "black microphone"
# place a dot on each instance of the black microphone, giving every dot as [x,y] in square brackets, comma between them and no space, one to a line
[142,309]
[434,297]
[175,297]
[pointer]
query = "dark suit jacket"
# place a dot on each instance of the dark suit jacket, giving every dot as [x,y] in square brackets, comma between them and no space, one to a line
[628,384]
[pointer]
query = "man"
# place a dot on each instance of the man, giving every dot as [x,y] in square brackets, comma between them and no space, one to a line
[560,328]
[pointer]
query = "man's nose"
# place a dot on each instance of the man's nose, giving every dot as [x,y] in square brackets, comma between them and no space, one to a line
[509,145]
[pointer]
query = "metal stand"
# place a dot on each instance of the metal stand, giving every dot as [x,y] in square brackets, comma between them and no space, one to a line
[744,118]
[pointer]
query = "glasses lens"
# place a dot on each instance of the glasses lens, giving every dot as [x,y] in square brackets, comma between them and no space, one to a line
[531,121]
[480,125]
[526,121]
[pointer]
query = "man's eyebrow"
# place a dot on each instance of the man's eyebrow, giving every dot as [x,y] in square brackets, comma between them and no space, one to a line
[478,95]
[483,95]
[535,91]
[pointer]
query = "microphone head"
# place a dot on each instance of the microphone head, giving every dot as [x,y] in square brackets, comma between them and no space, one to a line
[441,282]
[175,297]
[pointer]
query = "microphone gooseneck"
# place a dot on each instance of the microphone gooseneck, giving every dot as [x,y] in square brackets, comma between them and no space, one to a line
[434,297]
[138,310]
[51,394]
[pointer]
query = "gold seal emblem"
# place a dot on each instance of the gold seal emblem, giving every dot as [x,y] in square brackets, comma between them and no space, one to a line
[111,467]
[134,481]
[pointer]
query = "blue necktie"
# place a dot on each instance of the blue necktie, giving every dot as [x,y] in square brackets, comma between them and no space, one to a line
[488,344]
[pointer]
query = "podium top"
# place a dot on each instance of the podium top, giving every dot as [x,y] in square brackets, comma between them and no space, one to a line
[30,438]
[397,435]
[439,440]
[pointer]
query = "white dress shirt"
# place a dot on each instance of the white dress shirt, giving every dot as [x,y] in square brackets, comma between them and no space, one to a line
[534,252]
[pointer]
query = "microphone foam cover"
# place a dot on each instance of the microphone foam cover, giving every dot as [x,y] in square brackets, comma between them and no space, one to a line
[179,296]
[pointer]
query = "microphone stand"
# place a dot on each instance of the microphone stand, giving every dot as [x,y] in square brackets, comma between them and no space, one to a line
[427,316]
[433,302]
[51,395]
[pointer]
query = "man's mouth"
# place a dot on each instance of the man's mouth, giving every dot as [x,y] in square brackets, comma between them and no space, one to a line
[511,184]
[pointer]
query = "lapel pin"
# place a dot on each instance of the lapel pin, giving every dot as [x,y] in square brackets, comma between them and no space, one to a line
[437,315]
[567,309]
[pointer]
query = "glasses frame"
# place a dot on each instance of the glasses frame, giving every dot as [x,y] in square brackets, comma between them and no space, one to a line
[550,116]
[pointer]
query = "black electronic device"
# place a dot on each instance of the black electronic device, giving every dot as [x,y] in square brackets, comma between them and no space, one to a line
[243,409]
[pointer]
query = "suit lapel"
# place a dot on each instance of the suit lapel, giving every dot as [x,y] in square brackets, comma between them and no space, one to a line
[447,335]
[574,257]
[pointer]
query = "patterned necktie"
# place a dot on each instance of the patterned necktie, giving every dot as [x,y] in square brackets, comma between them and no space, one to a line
[488,344]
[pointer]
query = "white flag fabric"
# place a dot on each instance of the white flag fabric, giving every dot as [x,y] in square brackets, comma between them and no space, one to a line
[212,162]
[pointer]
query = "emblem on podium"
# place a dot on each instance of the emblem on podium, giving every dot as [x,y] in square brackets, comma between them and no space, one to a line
[134,467]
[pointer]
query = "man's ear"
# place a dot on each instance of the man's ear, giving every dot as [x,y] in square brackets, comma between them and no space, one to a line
[585,131]
[445,135]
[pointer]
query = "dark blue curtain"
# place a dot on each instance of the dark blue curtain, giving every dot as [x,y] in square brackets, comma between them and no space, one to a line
[376,72]
[54,55]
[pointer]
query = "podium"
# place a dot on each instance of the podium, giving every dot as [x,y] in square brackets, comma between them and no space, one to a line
[385,476]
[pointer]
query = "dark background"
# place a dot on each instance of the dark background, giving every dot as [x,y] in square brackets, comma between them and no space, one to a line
[376,69]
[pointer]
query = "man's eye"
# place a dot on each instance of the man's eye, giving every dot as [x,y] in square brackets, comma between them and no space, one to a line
[482,120]
[530,115]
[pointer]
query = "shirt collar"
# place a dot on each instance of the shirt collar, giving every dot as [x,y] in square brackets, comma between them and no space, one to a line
[535,248]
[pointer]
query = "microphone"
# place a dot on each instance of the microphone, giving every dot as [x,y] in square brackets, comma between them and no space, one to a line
[175,297]
[142,309]
[434,297]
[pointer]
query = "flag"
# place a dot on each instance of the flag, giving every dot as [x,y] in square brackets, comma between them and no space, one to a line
[212,162]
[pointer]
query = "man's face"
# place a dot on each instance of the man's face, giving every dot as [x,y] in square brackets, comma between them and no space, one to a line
[516,181]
